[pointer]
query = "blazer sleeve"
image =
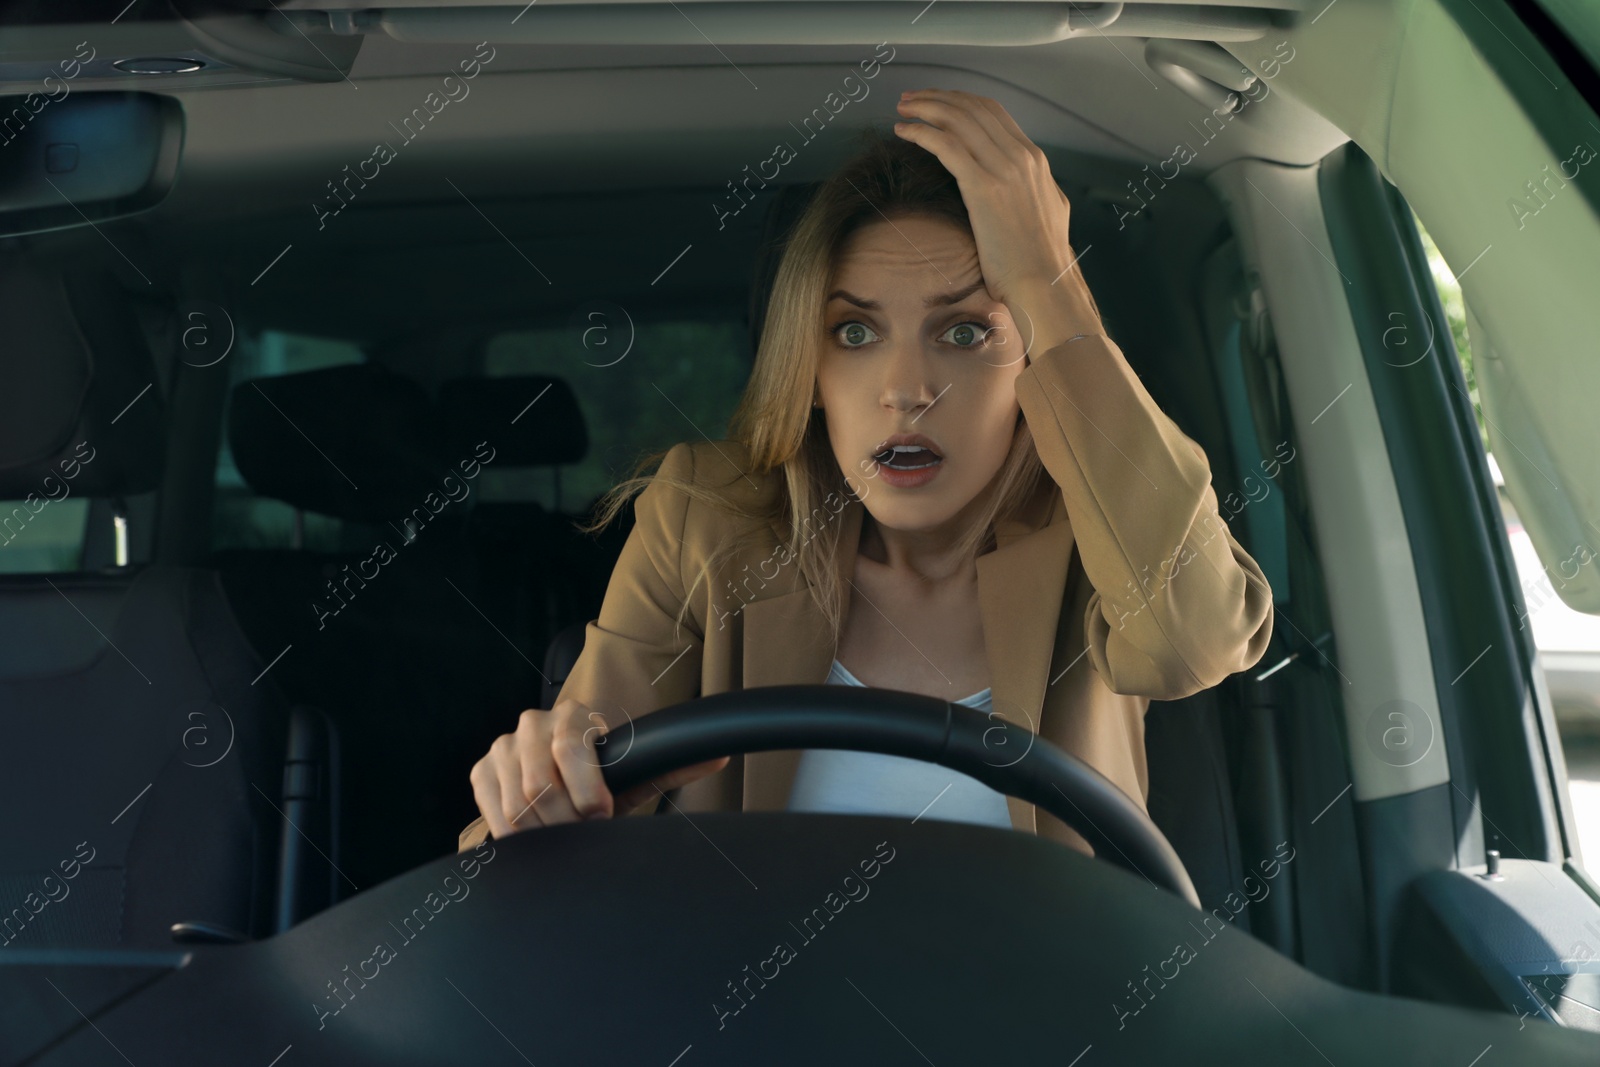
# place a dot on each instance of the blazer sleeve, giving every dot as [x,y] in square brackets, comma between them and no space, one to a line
[1178,605]
[633,661]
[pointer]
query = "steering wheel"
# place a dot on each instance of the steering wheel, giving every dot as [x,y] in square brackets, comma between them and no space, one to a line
[1007,758]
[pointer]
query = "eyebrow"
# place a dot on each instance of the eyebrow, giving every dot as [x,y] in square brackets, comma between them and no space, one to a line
[940,300]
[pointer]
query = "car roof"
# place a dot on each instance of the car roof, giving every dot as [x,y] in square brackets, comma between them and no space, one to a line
[693,108]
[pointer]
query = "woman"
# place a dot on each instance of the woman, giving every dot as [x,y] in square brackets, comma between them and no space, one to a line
[980,502]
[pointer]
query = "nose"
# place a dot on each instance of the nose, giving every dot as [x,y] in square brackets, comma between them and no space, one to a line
[908,384]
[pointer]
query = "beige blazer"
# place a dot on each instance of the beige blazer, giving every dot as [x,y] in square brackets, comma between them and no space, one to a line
[1119,585]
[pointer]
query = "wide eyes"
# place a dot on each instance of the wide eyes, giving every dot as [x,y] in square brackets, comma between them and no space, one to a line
[856,334]
[966,334]
[853,334]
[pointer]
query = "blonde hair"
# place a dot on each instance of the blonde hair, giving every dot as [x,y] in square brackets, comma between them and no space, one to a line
[775,420]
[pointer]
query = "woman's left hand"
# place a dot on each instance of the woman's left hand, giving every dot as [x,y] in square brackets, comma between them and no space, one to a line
[1019,215]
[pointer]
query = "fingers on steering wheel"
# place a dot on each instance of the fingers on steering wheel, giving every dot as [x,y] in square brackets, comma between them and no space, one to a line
[505,766]
[546,793]
[486,791]
[578,763]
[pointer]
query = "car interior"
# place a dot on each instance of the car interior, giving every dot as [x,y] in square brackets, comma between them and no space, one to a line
[333,421]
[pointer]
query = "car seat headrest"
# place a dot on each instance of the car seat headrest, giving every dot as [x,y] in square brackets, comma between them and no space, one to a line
[356,442]
[79,397]
[530,420]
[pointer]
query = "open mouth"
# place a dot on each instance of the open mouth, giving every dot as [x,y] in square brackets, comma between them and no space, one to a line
[907,457]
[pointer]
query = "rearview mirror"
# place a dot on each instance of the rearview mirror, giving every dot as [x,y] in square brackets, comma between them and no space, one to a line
[84,158]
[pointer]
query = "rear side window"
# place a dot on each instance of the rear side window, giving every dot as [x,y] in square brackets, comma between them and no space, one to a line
[678,381]
[43,532]
[1568,641]
[1455,312]
[240,518]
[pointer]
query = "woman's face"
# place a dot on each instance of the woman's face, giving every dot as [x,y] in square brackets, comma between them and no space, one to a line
[913,344]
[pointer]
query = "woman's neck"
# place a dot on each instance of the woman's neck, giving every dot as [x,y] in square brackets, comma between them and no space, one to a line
[931,555]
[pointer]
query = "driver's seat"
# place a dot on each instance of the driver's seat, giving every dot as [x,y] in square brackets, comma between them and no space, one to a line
[559,659]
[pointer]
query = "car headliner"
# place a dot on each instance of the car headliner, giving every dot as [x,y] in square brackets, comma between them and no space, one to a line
[595,119]
[600,163]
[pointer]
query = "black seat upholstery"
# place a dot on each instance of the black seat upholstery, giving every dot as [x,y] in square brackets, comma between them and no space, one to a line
[420,635]
[142,772]
[1191,793]
[136,745]
[536,571]
[559,658]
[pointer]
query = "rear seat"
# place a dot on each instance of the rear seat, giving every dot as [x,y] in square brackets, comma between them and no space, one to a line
[425,651]
[142,772]
[539,573]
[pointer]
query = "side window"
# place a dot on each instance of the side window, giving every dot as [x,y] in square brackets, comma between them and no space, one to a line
[44,531]
[240,518]
[677,382]
[1568,641]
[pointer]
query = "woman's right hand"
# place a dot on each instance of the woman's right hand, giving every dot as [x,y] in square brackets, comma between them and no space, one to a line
[548,772]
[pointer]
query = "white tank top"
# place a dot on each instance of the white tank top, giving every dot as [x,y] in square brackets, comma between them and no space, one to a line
[869,783]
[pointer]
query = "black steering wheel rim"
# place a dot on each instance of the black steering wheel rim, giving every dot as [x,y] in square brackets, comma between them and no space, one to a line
[1008,758]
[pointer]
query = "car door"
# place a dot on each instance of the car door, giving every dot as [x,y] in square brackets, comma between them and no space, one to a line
[1481,896]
